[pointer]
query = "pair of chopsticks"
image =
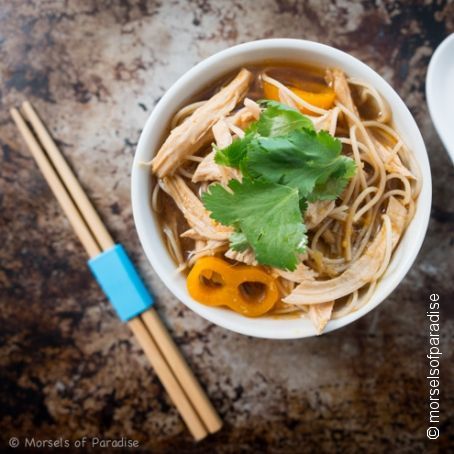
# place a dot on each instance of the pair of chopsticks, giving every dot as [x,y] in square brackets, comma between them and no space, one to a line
[164,356]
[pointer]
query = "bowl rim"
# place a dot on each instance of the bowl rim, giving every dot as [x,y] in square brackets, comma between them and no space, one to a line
[144,216]
[434,78]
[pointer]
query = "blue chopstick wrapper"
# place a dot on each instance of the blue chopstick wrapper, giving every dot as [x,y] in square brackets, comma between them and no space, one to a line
[121,283]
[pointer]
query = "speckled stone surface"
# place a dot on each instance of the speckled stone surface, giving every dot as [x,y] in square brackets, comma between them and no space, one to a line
[68,368]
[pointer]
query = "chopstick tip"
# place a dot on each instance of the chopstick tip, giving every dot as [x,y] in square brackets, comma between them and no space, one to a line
[14,112]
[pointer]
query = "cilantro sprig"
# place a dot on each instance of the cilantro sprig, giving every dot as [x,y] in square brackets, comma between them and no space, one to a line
[266,213]
[285,164]
[306,160]
[276,120]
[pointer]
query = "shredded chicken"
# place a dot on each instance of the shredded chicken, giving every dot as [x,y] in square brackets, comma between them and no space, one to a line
[241,119]
[253,107]
[398,215]
[221,134]
[391,161]
[191,135]
[326,122]
[208,170]
[193,210]
[320,315]
[247,256]
[318,211]
[336,78]
[203,248]
[193,235]
[302,273]
[360,273]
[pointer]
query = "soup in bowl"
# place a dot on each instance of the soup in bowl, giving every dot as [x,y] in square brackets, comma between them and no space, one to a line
[281,189]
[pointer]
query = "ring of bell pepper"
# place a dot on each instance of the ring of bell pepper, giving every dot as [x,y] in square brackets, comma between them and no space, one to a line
[215,282]
[318,95]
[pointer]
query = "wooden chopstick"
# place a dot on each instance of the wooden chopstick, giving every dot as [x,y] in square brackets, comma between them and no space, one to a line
[151,319]
[69,179]
[57,187]
[167,378]
[182,371]
[144,337]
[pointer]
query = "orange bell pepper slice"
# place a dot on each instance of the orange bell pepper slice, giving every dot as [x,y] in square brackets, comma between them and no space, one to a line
[317,94]
[215,282]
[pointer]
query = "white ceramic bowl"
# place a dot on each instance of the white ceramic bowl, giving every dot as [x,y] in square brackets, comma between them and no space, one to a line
[189,85]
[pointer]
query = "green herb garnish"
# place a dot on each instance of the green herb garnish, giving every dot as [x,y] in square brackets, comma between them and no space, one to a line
[306,160]
[267,215]
[285,163]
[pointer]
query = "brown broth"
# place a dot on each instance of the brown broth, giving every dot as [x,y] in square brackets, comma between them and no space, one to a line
[288,73]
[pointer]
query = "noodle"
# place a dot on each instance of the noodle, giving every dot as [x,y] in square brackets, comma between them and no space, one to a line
[174,244]
[195,158]
[155,198]
[333,124]
[185,173]
[384,114]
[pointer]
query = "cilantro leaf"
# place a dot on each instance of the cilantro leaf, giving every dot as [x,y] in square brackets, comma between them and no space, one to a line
[276,120]
[232,155]
[306,160]
[267,214]
[279,120]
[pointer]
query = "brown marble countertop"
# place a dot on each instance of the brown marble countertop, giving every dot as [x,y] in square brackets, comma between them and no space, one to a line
[69,368]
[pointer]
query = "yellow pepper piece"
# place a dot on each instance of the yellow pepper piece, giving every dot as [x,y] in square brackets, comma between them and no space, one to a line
[319,95]
[215,282]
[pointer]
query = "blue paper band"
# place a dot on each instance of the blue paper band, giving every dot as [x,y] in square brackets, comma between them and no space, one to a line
[121,283]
